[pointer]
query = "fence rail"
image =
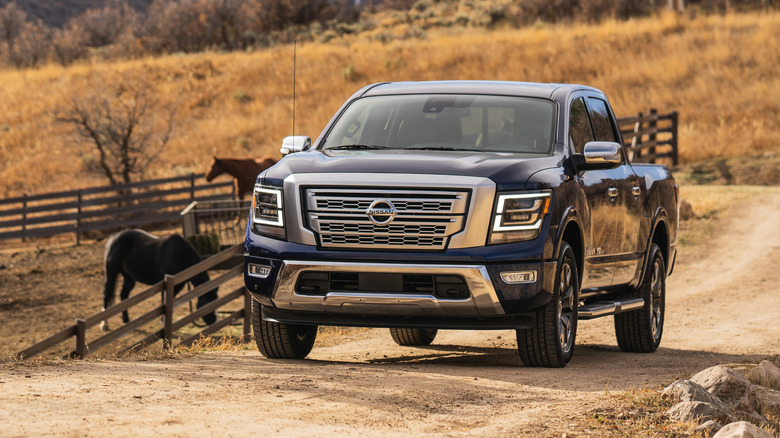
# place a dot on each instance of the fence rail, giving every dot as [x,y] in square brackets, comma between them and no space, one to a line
[105,208]
[651,138]
[164,288]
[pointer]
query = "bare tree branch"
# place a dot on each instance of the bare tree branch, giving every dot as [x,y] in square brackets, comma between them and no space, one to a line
[119,121]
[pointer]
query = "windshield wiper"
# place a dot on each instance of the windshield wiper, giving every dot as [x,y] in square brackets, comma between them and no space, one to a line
[350,147]
[441,148]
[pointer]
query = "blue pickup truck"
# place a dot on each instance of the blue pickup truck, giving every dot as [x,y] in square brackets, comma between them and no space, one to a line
[462,205]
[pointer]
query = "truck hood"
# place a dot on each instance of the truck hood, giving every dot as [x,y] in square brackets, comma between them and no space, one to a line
[508,171]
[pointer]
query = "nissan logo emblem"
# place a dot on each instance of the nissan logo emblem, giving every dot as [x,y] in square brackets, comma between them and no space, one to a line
[381,212]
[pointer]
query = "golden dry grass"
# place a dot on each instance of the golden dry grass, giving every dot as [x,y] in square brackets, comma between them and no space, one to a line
[721,72]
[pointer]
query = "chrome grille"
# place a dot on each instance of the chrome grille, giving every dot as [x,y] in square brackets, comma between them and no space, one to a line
[355,227]
[354,204]
[424,220]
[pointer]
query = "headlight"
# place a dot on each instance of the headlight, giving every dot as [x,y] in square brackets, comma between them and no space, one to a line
[518,216]
[268,211]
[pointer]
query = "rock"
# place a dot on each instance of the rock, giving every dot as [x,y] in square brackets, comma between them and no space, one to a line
[765,374]
[686,391]
[769,399]
[709,428]
[686,211]
[731,387]
[742,429]
[697,411]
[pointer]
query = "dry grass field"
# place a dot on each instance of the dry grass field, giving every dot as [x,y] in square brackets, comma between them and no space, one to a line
[720,72]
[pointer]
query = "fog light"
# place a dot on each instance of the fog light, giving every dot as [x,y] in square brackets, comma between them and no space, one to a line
[260,271]
[519,277]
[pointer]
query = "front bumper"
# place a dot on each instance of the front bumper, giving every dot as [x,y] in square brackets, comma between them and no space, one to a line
[491,303]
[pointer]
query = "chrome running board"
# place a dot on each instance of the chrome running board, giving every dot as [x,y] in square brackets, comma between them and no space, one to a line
[606,308]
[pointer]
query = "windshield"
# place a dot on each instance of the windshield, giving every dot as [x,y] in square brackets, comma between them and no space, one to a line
[445,122]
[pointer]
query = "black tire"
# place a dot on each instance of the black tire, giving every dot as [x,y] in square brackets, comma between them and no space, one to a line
[639,331]
[550,343]
[281,341]
[412,336]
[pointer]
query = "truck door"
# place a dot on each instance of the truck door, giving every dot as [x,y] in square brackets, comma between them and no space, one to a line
[596,184]
[626,197]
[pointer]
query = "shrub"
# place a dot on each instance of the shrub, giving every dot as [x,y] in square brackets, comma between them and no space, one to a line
[194,25]
[12,21]
[69,45]
[103,27]
[31,47]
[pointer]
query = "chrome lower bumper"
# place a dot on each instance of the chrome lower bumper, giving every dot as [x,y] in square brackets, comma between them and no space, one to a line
[483,301]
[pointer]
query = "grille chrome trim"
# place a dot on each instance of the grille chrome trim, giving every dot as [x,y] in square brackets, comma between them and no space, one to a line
[476,223]
[425,219]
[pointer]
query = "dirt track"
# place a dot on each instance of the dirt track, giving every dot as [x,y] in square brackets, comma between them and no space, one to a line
[721,307]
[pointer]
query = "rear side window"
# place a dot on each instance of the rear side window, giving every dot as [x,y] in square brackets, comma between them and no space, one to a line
[580,131]
[602,123]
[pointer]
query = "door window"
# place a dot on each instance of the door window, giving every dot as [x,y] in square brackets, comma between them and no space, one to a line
[580,131]
[602,123]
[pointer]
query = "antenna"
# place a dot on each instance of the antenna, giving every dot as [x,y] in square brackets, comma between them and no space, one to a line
[295,53]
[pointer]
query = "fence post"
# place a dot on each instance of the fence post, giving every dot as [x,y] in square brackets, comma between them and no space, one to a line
[168,311]
[24,217]
[81,338]
[675,156]
[652,126]
[192,187]
[637,140]
[78,217]
[247,315]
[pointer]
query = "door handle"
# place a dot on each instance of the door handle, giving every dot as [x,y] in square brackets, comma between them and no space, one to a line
[636,190]
[612,192]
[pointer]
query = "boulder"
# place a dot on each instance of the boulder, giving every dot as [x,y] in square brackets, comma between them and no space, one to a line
[765,374]
[686,391]
[742,429]
[697,411]
[769,399]
[709,428]
[731,387]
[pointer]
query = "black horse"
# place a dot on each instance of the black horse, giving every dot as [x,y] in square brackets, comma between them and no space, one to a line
[140,256]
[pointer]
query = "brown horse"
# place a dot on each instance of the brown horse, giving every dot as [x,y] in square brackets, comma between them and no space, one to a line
[243,170]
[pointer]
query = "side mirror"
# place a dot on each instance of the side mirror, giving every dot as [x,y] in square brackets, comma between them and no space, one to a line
[600,155]
[295,143]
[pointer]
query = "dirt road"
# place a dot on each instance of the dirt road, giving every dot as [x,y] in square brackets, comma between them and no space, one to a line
[722,307]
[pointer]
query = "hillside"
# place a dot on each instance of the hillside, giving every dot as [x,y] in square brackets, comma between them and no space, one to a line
[719,71]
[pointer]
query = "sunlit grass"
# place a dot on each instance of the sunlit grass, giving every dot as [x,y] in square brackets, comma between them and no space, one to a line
[719,71]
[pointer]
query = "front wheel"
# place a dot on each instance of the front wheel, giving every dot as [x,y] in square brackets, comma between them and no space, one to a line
[550,343]
[639,331]
[277,340]
[412,336]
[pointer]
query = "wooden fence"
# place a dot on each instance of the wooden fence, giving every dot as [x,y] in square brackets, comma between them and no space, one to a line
[651,138]
[230,257]
[104,208]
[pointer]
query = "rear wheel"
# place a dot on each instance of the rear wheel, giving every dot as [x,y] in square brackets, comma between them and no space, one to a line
[412,336]
[550,343]
[639,331]
[277,340]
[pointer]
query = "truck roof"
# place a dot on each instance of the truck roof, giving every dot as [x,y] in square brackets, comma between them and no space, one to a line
[507,88]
